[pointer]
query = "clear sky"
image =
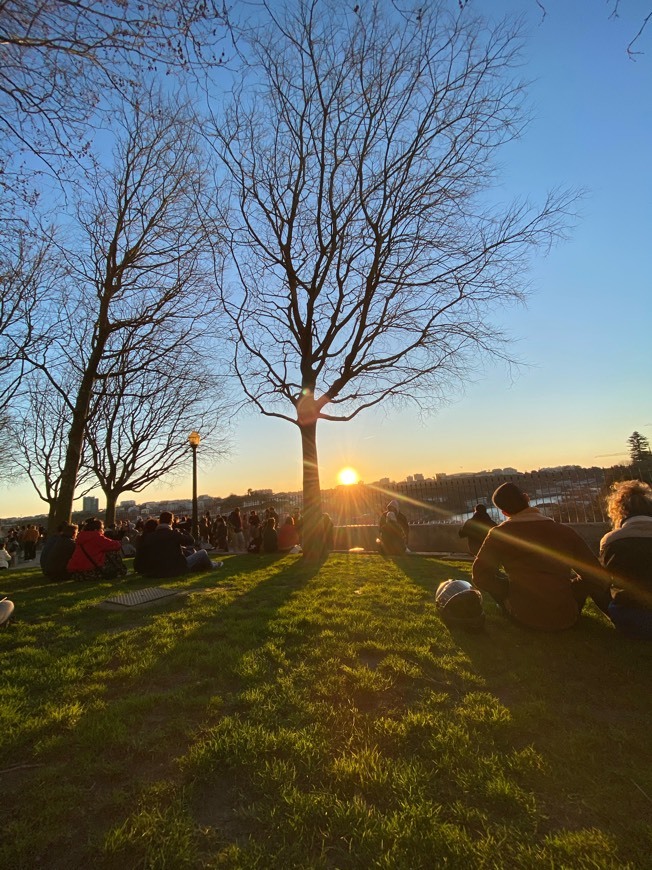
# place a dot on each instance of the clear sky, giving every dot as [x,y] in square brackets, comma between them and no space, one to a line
[584,336]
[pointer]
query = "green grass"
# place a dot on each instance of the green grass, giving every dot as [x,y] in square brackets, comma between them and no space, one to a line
[289,716]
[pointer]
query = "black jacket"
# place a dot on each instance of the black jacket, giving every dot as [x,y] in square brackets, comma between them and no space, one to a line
[160,554]
[56,552]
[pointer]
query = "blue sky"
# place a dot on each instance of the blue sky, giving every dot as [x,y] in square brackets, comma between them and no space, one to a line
[584,334]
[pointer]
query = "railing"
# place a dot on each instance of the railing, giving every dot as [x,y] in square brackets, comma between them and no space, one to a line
[570,495]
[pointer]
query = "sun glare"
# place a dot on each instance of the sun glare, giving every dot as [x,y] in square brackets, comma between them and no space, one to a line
[347,476]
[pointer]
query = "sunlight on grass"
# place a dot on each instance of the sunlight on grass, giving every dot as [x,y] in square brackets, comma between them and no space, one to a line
[284,720]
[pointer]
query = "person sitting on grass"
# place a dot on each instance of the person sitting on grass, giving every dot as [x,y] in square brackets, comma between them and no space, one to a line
[270,536]
[538,556]
[392,530]
[168,552]
[57,551]
[475,529]
[95,556]
[221,532]
[288,536]
[5,559]
[140,562]
[328,534]
[392,535]
[626,553]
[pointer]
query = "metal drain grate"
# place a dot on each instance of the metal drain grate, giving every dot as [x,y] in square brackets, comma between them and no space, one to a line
[141,596]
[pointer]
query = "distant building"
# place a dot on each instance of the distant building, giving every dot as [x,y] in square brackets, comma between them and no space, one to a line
[90,504]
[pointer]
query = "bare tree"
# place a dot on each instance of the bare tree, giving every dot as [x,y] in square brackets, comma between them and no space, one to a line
[138,431]
[138,266]
[28,280]
[39,437]
[59,58]
[368,254]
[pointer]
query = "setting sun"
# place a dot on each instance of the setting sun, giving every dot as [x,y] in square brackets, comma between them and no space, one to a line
[347,476]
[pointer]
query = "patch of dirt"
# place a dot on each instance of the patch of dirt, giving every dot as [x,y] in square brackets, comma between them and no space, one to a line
[370,659]
[215,804]
[14,776]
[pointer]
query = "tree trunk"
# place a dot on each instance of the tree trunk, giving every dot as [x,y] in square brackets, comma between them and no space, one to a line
[51,524]
[63,510]
[111,501]
[312,537]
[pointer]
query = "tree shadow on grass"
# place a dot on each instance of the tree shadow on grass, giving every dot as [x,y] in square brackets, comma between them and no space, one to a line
[132,690]
[580,698]
[590,656]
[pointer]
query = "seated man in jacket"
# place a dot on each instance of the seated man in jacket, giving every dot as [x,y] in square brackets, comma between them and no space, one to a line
[57,551]
[161,553]
[538,556]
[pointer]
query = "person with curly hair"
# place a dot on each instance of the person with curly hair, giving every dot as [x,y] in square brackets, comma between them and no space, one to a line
[626,553]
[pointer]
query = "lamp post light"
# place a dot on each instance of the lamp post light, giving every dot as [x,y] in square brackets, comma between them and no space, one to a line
[194,439]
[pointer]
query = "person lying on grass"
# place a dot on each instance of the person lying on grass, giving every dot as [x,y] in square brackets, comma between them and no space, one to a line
[539,556]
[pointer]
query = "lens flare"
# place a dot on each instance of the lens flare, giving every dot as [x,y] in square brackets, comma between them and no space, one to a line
[347,476]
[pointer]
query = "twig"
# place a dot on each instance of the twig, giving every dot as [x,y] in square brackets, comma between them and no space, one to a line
[26,766]
[641,790]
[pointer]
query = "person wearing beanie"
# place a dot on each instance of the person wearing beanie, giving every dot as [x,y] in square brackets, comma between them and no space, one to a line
[538,555]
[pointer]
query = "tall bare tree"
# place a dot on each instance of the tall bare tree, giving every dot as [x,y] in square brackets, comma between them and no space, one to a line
[138,265]
[369,256]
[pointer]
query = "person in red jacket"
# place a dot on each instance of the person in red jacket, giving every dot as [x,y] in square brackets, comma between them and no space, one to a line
[288,535]
[96,557]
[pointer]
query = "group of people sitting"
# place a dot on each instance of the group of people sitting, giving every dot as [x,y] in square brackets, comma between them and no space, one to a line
[541,572]
[240,532]
[163,548]
[250,532]
[91,555]
[82,554]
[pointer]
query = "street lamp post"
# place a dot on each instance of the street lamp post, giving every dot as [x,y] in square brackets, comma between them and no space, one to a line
[194,439]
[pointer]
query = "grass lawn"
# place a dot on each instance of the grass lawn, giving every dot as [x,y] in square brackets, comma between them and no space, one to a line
[288,716]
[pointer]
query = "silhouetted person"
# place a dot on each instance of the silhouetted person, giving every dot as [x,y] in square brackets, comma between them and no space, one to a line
[475,529]
[56,553]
